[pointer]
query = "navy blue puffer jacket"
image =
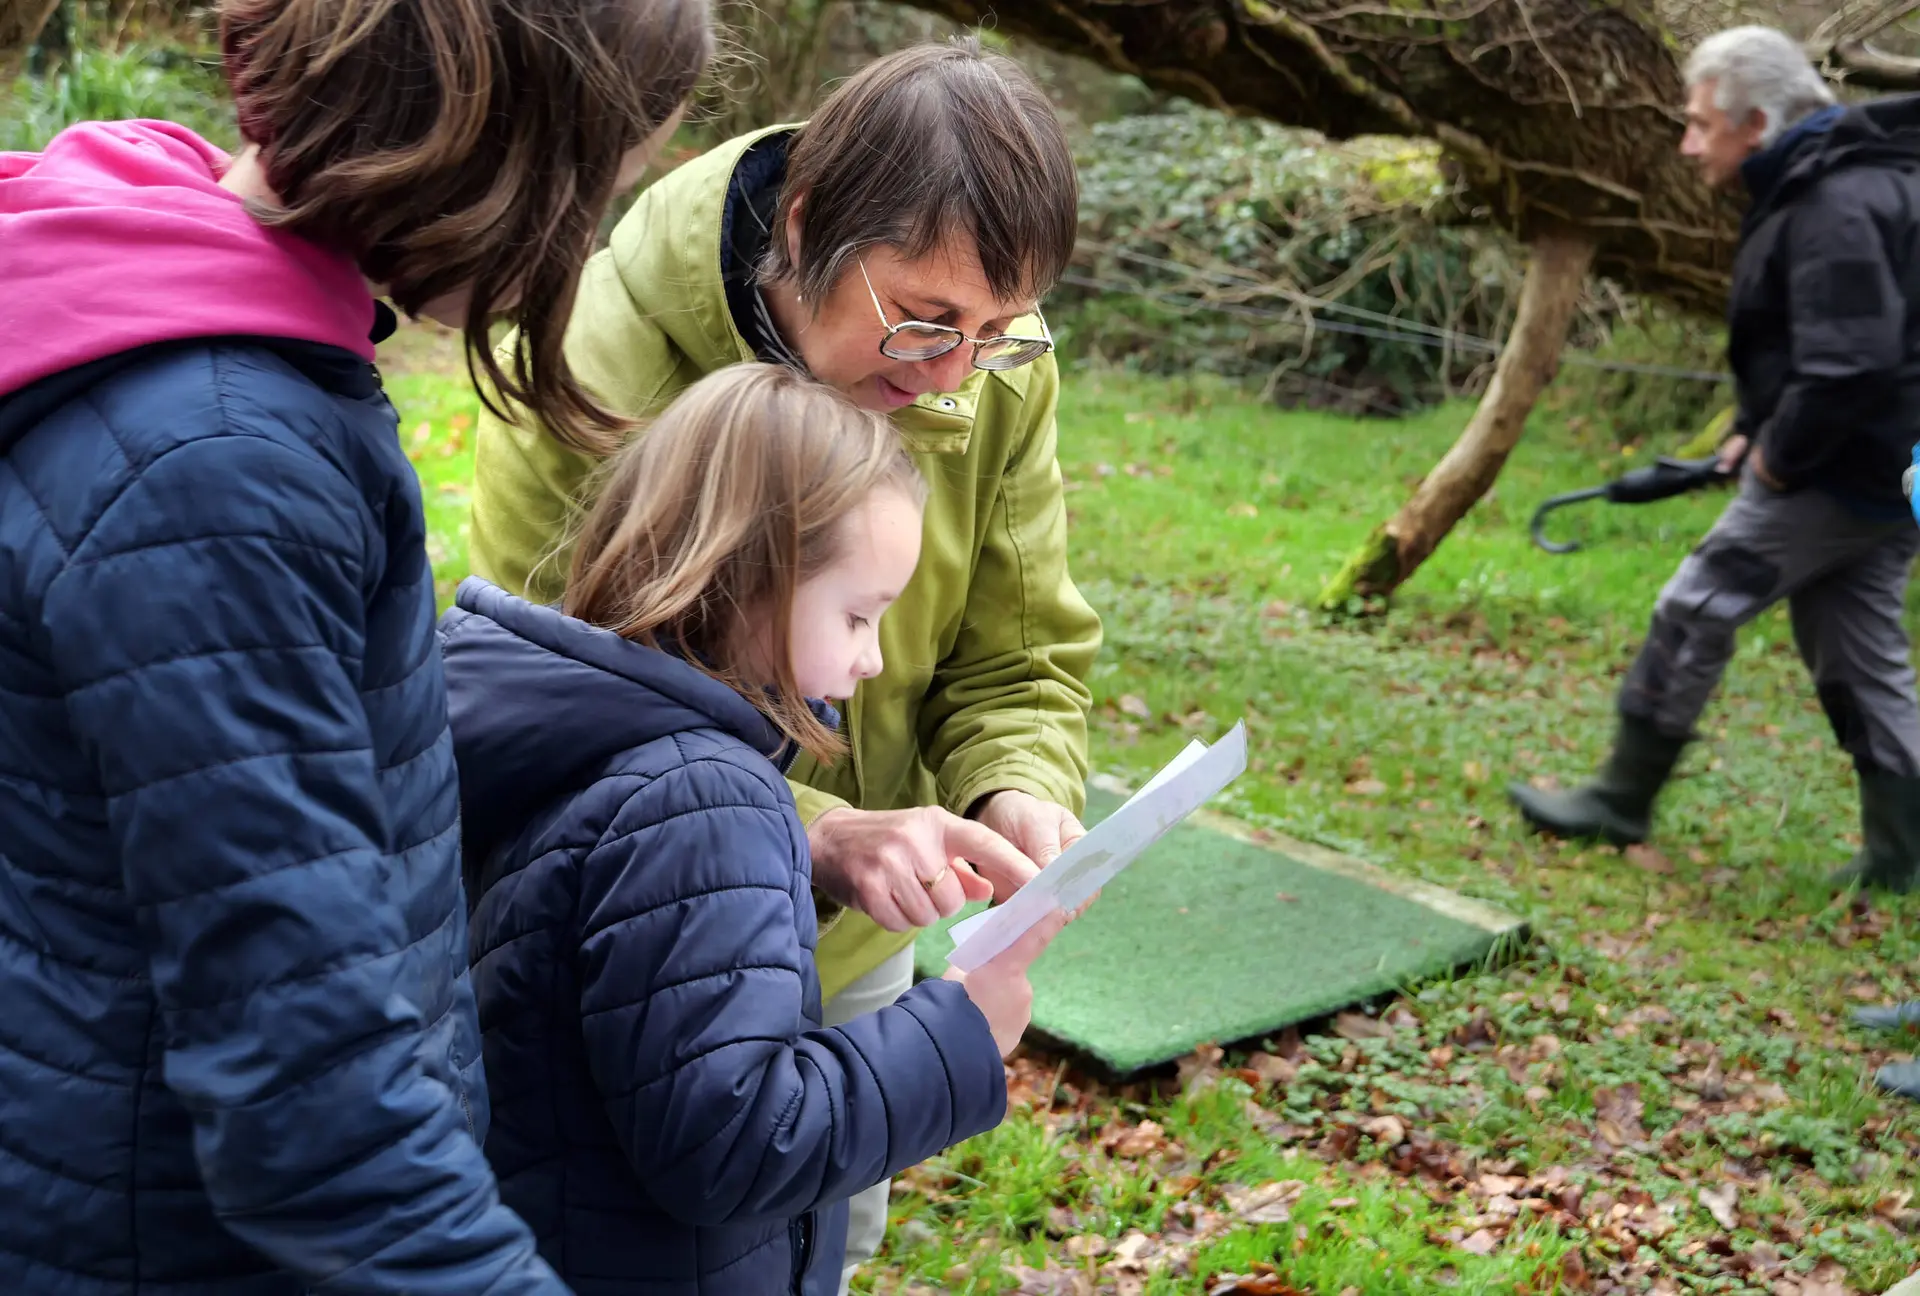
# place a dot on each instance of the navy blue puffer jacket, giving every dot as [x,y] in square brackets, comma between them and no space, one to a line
[238,1050]
[668,1113]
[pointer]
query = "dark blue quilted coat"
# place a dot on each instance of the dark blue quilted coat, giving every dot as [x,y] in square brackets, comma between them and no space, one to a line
[238,1053]
[668,1113]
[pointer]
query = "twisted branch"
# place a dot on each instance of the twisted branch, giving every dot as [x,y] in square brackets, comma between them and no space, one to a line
[1842,46]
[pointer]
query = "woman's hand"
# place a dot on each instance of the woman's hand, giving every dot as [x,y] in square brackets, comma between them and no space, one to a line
[1041,829]
[911,868]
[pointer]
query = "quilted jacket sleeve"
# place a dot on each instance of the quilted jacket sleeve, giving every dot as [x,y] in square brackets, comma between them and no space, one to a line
[211,631]
[693,986]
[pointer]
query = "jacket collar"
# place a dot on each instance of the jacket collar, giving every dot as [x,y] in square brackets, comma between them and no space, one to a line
[1883,132]
[539,701]
[1792,156]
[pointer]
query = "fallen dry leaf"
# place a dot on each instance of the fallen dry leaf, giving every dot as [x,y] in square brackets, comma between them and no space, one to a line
[1339,1144]
[1475,1032]
[1827,1279]
[1721,1203]
[1359,1026]
[1251,1285]
[1480,1242]
[1617,1115]
[1648,859]
[1050,1281]
[1893,1209]
[1268,1203]
[1272,1070]
[1491,1185]
[1086,1245]
[1134,1142]
[1200,1068]
[1135,706]
[1387,1131]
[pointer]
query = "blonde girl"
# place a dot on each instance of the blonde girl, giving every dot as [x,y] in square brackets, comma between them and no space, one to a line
[669,1113]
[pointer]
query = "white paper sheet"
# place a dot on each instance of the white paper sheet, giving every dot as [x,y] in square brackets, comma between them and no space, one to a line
[1186,783]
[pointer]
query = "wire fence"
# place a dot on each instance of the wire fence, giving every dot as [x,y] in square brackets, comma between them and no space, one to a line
[1310,313]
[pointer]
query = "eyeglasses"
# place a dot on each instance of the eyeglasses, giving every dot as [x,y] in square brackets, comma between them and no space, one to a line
[917,340]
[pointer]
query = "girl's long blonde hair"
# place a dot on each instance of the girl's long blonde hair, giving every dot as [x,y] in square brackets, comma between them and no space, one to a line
[709,521]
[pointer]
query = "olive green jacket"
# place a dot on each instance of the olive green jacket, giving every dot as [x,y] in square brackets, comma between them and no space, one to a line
[988,648]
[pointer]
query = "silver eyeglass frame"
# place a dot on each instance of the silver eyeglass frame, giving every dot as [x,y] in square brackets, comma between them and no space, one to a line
[1044,342]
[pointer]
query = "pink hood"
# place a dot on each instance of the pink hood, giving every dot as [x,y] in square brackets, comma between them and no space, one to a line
[119,235]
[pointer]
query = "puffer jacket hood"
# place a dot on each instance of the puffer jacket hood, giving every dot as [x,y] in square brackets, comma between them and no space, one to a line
[119,236]
[540,700]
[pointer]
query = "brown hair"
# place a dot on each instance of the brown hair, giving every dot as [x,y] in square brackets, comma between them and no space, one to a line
[712,519]
[470,145]
[934,140]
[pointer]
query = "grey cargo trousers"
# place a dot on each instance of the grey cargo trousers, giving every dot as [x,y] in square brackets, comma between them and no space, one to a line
[1844,579]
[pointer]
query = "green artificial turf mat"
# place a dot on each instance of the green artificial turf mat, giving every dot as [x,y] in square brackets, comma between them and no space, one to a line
[1212,936]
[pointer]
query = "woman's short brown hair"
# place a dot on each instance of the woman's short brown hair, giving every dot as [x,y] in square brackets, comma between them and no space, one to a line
[935,140]
[706,525]
[464,145]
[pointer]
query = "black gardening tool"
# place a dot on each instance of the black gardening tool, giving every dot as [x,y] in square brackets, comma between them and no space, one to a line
[1662,479]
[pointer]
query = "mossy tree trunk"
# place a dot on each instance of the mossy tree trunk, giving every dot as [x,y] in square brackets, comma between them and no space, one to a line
[1556,115]
[1556,272]
[21,22]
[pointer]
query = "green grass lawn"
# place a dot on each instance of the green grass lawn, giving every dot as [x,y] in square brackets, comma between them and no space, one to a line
[1661,1095]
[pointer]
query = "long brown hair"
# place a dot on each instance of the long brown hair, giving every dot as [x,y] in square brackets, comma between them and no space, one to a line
[932,141]
[472,145]
[707,524]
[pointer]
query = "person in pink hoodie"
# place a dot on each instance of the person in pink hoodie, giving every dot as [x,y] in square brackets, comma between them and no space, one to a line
[239,1054]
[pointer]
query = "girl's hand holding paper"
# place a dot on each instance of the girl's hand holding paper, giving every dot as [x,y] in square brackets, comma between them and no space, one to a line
[1188,781]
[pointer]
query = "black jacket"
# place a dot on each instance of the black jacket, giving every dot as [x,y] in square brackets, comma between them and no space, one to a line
[1824,346]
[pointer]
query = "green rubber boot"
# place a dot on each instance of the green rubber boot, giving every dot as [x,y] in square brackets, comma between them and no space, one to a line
[1902,1078]
[1617,807]
[1889,1017]
[1890,832]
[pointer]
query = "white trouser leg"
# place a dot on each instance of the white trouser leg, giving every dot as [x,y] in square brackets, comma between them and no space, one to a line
[867,1222]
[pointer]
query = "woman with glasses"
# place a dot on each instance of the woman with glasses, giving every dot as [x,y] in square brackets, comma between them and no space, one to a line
[895,247]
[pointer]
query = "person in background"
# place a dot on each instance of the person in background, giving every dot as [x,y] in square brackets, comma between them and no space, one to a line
[240,1052]
[1825,352]
[1902,1078]
[895,247]
[669,1113]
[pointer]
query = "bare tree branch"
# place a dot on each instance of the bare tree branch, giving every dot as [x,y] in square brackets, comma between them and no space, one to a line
[1858,63]
[1856,21]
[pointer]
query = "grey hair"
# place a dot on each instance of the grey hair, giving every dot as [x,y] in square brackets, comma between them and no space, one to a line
[1759,69]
